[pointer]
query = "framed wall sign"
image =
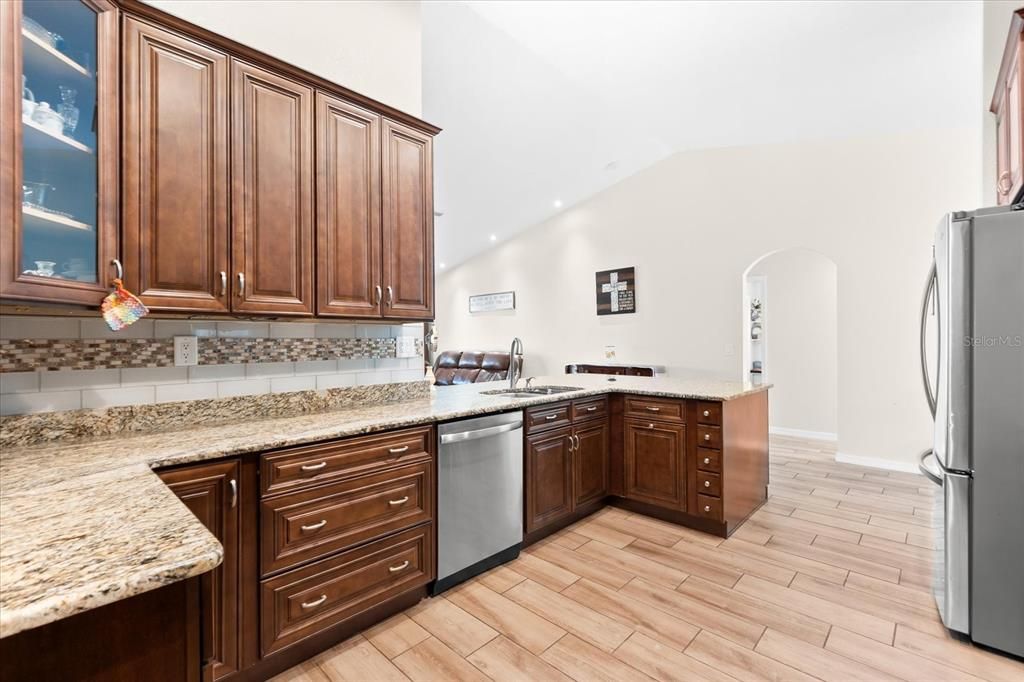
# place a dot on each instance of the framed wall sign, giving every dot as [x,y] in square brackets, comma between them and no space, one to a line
[616,291]
[485,303]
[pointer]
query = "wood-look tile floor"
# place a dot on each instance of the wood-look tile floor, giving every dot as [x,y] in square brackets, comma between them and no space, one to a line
[829,580]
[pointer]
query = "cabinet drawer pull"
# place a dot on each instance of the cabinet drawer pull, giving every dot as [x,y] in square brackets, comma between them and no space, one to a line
[707,436]
[241,285]
[118,267]
[707,413]
[707,484]
[391,297]
[707,460]
[551,416]
[399,567]
[592,408]
[652,408]
[315,602]
[313,467]
[314,526]
[395,503]
[707,508]
[395,451]
[377,292]
[223,283]
[233,484]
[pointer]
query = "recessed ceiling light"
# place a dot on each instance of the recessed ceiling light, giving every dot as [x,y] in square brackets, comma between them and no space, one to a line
[558,203]
[494,237]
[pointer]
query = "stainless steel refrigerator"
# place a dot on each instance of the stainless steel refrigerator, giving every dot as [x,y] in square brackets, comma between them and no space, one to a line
[976,294]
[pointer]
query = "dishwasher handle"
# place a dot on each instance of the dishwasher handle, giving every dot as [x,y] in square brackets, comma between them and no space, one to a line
[480,433]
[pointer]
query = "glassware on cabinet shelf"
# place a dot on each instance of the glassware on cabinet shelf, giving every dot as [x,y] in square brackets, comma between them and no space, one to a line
[67,109]
[28,100]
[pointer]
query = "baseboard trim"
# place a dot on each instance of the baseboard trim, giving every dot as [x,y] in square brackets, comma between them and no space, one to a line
[800,433]
[877,463]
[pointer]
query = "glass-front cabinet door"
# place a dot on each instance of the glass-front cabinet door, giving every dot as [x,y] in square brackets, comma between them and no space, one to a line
[59,126]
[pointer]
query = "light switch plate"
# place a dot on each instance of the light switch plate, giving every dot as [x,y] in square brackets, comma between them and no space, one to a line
[186,351]
[405,347]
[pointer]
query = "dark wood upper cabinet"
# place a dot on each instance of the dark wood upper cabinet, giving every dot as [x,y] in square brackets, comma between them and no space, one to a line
[348,210]
[408,222]
[59,182]
[549,493]
[210,491]
[272,192]
[655,462]
[175,189]
[590,461]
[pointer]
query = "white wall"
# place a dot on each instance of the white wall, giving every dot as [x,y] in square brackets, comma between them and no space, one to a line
[370,47]
[995,27]
[800,330]
[693,223]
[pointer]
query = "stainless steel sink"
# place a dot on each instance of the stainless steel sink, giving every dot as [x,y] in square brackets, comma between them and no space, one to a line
[531,392]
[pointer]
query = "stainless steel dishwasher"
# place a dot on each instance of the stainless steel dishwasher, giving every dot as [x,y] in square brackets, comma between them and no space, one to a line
[480,496]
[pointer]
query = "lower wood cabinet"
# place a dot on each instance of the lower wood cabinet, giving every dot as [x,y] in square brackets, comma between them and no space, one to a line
[655,459]
[211,492]
[549,466]
[590,462]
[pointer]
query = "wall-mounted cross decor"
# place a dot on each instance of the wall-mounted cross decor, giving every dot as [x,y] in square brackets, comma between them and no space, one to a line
[616,291]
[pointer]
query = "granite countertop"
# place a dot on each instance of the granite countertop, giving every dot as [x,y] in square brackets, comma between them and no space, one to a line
[88,523]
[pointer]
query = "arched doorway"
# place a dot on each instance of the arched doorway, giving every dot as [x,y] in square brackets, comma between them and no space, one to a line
[790,339]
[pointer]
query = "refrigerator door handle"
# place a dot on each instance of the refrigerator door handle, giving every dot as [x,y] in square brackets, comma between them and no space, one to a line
[929,295]
[929,472]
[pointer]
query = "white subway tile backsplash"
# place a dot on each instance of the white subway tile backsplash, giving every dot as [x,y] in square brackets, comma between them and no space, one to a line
[374,331]
[256,370]
[387,363]
[325,381]
[415,330]
[400,375]
[112,397]
[335,331]
[369,378]
[289,384]
[316,367]
[293,330]
[65,380]
[18,327]
[228,389]
[150,376]
[96,328]
[166,329]
[354,365]
[51,401]
[255,330]
[19,382]
[216,372]
[169,393]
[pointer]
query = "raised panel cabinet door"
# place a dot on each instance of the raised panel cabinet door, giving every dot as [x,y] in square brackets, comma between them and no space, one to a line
[408,222]
[271,192]
[548,477]
[655,463]
[348,209]
[590,462]
[210,491]
[175,187]
[59,165]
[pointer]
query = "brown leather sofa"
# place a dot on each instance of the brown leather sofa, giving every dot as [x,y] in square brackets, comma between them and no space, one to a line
[471,367]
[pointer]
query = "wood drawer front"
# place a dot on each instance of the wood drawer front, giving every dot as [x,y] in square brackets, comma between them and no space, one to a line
[338,588]
[311,524]
[589,409]
[547,417]
[709,412]
[709,484]
[709,460]
[310,465]
[652,408]
[709,507]
[709,436]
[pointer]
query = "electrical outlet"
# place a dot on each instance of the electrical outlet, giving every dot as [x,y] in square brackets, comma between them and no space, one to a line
[186,351]
[405,347]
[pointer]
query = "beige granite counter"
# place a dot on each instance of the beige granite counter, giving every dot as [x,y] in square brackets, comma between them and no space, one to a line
[88,523]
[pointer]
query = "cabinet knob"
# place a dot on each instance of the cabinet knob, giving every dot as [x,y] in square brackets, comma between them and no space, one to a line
[707,508]
[707,413]
[650,426]
[707,460]
[707,484]
[707,436]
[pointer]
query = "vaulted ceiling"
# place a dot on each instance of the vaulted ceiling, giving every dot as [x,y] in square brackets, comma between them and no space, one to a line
[545,102]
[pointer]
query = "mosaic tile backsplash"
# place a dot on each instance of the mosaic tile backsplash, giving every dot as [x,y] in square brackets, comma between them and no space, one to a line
[55,364]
